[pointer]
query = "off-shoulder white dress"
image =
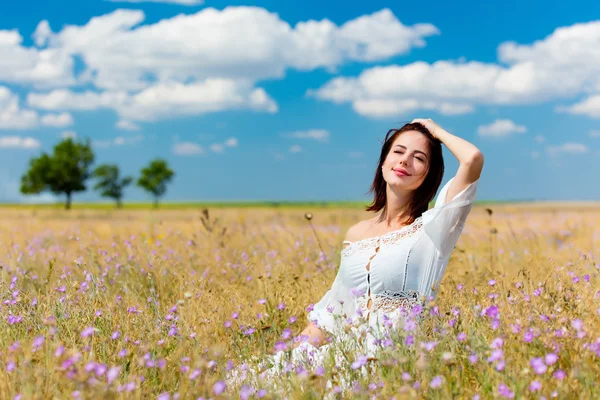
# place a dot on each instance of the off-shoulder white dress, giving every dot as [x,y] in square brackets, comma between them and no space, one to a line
[396,271]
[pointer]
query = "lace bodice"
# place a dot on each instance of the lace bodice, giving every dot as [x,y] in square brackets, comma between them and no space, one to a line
[392,272]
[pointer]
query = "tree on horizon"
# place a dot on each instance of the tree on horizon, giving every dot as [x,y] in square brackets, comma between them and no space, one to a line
[110,184]
[154,178]
[65,171]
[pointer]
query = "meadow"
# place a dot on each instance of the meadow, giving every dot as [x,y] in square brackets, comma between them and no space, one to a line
[160,304]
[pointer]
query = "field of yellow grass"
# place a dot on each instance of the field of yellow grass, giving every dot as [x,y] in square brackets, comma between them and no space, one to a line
[161,304]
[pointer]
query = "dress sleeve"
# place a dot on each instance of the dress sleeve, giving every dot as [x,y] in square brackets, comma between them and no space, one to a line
[333,307]
[444,222]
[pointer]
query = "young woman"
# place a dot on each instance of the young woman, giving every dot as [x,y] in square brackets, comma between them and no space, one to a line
[392,262]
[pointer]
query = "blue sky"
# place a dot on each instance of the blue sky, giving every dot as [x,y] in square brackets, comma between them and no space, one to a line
[272,100]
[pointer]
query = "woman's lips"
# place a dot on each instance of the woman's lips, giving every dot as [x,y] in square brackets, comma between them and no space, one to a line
[401,172]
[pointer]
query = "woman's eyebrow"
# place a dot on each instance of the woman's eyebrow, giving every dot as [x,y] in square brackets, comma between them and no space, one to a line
[416,151]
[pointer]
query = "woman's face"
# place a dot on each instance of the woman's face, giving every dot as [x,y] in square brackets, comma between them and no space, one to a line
[407,163]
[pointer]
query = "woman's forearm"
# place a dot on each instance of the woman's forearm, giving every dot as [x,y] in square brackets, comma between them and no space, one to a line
[465,152]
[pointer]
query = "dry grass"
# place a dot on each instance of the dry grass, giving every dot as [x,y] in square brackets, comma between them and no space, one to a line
[167,281]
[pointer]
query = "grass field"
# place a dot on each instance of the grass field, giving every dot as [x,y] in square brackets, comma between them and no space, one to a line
[139,303]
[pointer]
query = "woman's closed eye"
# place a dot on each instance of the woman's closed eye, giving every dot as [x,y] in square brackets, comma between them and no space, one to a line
[418,158]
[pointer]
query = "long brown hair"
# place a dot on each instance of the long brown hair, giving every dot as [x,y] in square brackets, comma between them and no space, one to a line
[419,202]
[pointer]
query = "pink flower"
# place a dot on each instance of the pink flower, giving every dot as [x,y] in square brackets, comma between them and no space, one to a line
[436,382]
[112,374]
[359,362]
[551,358]
[219,388]
[87,332]
[534,386]
[505,391]
[538,365]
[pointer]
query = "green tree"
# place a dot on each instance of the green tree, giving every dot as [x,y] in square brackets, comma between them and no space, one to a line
[63,172]
[154,178]
[110,184]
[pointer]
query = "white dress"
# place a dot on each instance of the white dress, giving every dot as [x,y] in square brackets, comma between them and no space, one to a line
[397,271]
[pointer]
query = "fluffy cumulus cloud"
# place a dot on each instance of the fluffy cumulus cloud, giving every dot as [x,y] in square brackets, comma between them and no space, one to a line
[13,116]
[589,107]
[18,142]
[500,127]
[567,148]
[321,135]
[161,101]
[187,149]
[564,64]
[204,62]
[191,148]
[179,2]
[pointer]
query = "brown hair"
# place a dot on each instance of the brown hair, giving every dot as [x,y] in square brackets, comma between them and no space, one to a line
[419,202]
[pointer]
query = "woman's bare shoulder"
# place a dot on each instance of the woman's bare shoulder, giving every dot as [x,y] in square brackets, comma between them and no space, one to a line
[358,230]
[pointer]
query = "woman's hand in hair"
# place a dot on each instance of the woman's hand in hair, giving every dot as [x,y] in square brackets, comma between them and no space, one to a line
[431,126]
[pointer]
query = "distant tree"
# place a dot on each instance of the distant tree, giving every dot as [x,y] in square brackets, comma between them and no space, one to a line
[110,184]
[154,178]
[63,172]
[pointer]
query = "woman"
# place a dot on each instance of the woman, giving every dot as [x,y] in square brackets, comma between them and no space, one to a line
[390,263]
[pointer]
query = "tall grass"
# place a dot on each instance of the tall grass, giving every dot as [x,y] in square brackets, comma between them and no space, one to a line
[139,304]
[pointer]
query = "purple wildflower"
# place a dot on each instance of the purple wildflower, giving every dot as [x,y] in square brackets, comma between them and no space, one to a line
[219,388]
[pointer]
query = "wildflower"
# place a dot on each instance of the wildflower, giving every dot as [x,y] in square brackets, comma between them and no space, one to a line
[359,362]
[281,306]
[195,374]
[436,382]
[559,374]
[505,391]
[246,391]
[550,358]
[87,332]
[534,386]
[112,374]
[38,342]
[538,365]
[219,388]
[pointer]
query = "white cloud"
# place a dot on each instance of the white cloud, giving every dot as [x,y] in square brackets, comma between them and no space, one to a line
[18,142]
[68,134]
[569,148]
[203,62]
[41,68]
[57,120]
[11,114]
[320,135]
[162,101]
[127,125]
[118,141]
[540,139]
[563,64]
[500,127]
[179,2]
[231,142]
[589,107]
[595,133]
[217,148]
[236,42]
[187,149]
[295,149]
